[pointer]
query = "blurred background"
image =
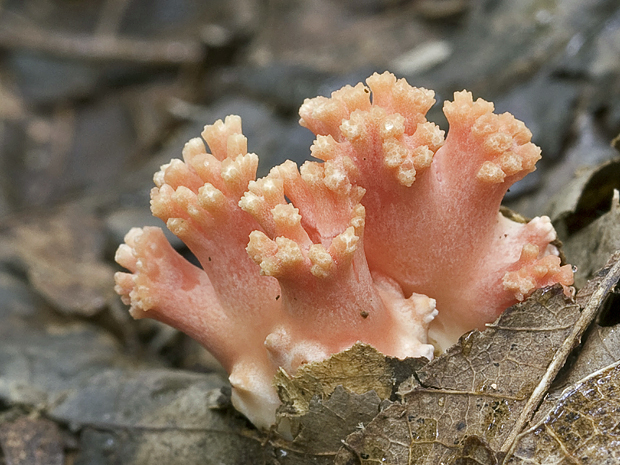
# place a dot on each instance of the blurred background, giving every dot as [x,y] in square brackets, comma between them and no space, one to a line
[96,95]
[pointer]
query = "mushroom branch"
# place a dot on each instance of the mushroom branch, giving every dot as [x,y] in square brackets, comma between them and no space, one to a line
[394,238]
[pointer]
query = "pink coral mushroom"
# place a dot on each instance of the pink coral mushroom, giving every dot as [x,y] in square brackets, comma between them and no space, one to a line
[395,239]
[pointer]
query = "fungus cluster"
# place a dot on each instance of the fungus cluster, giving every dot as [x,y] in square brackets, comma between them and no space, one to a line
[393,239]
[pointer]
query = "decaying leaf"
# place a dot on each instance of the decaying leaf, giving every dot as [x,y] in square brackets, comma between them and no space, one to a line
[326,401]
[475,452]
[360,369]
[591,246]
[62,254]
[477,388]
[30,441]
[137,415]
[590,299]
[318,434]
[486,387]
[42,355]
[584,198]
[582,428]
[601,347]
[586,215]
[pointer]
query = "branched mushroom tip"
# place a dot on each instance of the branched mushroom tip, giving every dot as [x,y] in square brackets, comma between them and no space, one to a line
[394,239]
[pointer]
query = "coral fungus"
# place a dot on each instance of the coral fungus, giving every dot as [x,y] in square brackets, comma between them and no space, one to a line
[395,239]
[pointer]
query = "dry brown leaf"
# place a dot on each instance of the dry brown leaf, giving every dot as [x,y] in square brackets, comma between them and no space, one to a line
[360,369]
[583,199]
[486,387]
[478,388]
[29,441]
[139,415]
[318,434]
[590,247]
[601,347]
[582,428]
[325,401]
[62,254]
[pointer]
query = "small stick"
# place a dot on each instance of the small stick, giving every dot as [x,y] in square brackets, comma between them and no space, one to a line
[102,48]
[586,318]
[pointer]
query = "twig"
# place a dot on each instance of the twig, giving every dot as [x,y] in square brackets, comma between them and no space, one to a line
[111,16]
[100,47]
[586,318]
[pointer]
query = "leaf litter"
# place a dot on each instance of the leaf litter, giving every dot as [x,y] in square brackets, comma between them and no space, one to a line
[478,388]
[582,428]
[486,387]
[326,401]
